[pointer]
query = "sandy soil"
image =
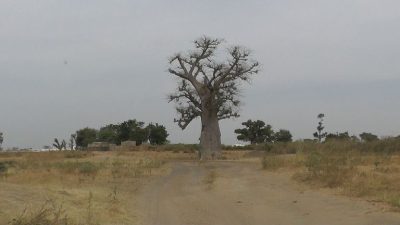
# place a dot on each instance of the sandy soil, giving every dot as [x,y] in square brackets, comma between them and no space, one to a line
[239,193]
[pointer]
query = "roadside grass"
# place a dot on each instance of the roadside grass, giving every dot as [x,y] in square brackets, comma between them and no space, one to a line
[365,170]
[273,162]
[72,187]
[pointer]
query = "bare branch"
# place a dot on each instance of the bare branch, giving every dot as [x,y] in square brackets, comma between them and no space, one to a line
[187,92]
[239,67]
[187,114]
[204,78]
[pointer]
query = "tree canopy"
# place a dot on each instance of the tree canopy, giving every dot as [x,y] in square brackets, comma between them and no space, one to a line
[368,137]
[283,136]
[344,136]
[202,73]
[255,132]
[85,136]
[157,134]
[130,130]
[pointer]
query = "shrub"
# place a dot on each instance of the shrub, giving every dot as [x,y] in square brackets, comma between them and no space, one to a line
[3,167]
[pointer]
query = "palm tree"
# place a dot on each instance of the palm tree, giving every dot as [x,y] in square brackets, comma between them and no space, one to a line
[58,145]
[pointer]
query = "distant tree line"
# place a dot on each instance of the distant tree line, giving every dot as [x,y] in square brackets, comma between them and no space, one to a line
[130,130]
[257,132]
[320,135]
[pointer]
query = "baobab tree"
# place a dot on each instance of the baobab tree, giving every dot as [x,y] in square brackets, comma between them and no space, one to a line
[208,88]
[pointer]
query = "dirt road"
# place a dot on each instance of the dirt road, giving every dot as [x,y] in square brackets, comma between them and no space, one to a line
[239,193]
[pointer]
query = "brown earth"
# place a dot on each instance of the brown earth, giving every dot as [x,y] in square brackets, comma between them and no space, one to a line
[240,193]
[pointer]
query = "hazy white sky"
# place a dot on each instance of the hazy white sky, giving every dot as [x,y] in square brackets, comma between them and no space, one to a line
[68,64]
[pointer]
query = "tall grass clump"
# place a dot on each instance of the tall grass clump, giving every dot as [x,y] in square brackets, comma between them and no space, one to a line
[47,214]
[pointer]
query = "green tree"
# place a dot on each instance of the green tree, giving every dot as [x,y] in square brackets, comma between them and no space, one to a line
[132,130]
[283,136]
[209,88]
[255,132]
[157,134]
[109,134]
[60,145]
[368,137]
[85,136]
[338,136]
[320,134]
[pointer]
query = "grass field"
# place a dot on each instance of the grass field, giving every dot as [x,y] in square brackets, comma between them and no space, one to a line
[74,187]
[366,170]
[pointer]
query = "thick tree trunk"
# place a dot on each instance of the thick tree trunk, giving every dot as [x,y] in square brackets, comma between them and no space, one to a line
[210,138]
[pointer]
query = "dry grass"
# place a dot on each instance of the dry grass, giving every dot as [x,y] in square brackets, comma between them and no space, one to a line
[367,170]
[275,162]
[83,188]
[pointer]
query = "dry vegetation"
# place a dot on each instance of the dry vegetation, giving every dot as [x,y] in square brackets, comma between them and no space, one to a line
[367,170]
[72,187]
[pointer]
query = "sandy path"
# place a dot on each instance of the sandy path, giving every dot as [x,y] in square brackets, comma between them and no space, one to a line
[243,195]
